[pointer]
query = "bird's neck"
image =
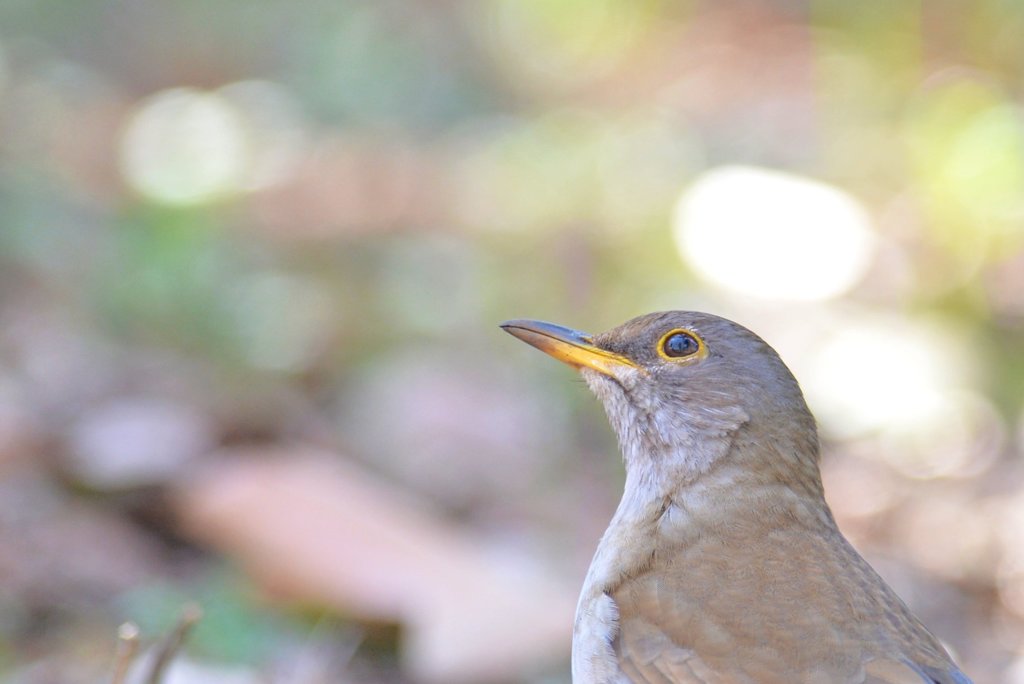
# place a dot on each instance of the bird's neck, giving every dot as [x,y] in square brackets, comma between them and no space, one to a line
[754,479]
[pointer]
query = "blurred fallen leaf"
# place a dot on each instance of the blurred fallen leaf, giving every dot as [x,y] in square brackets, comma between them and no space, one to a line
[316,528]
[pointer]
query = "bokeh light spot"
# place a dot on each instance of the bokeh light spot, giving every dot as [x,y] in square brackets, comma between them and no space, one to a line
[967,143]
[986,162]
[876,373]
[773,235]
[184,146]
[959,434]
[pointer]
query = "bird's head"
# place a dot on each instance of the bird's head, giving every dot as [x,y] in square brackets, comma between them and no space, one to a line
[681,389]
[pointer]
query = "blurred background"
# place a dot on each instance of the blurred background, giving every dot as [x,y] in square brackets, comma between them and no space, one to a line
[253,256]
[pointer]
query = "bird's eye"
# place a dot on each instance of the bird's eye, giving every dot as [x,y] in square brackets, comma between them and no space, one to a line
[678,344]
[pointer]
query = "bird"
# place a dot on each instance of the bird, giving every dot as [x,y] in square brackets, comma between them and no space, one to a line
[723,563]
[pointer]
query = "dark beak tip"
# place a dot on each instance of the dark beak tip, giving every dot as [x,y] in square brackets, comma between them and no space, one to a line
[517,323]
[523,327]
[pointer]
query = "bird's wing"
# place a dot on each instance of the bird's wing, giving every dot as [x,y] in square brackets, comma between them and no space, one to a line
[647,656]
[648,644]
[708,634]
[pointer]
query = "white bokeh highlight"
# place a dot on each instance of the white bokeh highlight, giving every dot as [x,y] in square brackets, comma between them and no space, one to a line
[874,374]
[901,388]
[773,235]
[184,146]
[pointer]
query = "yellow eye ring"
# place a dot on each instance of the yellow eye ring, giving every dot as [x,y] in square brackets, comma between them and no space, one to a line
[681,345]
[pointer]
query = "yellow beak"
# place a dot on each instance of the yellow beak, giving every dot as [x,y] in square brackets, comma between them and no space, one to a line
[568,346]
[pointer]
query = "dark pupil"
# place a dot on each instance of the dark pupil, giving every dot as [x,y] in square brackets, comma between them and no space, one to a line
[680,344]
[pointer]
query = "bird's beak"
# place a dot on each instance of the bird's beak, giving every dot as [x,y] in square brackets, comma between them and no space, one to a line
[568,346]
